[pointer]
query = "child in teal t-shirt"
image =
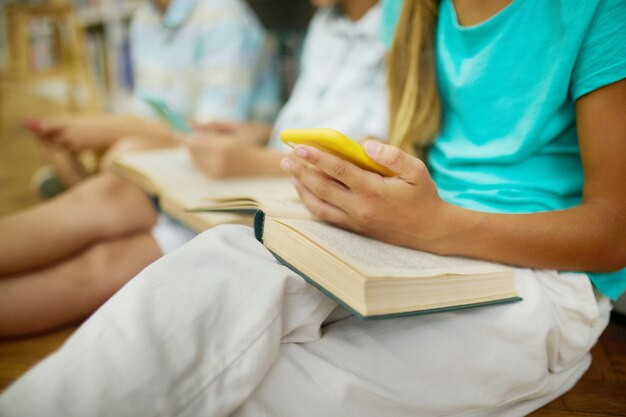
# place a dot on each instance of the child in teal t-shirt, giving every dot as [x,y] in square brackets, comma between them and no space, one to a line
[508,141]
[509,87]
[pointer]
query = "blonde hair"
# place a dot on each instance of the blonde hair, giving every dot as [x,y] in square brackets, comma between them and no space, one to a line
[414,106]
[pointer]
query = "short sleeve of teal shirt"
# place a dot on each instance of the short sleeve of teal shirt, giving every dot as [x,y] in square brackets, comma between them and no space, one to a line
[602,61]
[508,141]
[602,56]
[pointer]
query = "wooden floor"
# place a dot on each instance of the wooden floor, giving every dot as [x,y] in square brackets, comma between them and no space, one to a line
[601,392]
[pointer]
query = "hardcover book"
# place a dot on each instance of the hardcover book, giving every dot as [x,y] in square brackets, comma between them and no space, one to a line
[372,279]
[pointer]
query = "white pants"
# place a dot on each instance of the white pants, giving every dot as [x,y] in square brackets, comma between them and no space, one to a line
[220,328]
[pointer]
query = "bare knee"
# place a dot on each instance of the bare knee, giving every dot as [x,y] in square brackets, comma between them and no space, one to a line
[109,187]
[73,289]
[121,206]
[112,263]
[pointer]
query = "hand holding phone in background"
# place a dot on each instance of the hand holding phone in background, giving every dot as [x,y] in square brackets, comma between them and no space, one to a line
[33,124]
[254,133]
[79,132]
[174,119]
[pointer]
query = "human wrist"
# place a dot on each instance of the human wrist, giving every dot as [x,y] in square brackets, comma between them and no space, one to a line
[100,131]
[120,126]
[462,231]
[269,162]
[126,125]
[448,224]
[261,132]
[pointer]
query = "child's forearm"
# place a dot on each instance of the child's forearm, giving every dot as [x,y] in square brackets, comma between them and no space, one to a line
[128,125]
[590,237]
[267,162]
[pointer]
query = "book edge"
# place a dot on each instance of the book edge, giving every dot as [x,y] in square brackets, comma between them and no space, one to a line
[259,226]
[392,315]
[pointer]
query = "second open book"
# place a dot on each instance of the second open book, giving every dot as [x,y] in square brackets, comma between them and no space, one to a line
[373,279]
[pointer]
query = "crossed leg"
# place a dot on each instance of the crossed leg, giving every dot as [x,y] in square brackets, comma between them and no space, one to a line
[69,171]
[102,207]
[61,259]
[71,289]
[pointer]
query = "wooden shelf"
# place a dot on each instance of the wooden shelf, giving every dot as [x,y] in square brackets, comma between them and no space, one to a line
[98,16]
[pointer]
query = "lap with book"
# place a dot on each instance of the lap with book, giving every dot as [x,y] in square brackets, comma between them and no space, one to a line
[170,176]
[370,278]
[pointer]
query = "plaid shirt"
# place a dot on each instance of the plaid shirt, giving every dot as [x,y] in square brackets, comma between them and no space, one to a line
[207,59]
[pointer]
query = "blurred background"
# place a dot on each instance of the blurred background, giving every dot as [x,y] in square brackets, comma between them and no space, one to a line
[72,56]
[104,28]
[60,56]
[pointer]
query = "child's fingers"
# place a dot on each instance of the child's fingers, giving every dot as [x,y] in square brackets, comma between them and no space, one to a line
[33,124]
[183,138]
[201,126]
[343,171]
[319,207]
[216,126]
[319,184]
[404,165]
[53,125]
[39,128]
[48,130]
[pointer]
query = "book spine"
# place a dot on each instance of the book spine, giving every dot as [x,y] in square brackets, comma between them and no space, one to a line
[259,224]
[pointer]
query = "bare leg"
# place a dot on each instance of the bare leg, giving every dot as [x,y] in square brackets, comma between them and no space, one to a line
[69,170]
[102,207]
[72,289]
[70,173]
[65,165]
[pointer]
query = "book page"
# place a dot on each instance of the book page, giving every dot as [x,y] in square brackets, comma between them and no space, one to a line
[174,204]
[165,168]
[275,196]
[171,174]
[276,188]
[287,208]
[375,258]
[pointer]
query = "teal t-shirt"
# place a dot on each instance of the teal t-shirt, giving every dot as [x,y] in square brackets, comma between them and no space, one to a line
[391,10]
[508,87]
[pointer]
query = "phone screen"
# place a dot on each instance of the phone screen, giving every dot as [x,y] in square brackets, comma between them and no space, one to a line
[176,120]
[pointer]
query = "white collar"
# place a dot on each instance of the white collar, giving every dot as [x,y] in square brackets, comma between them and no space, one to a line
[367,26]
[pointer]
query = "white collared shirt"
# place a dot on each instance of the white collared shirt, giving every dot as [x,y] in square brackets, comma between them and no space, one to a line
[342,80]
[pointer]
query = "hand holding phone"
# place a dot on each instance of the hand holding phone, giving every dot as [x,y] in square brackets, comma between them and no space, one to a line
[176,120]
[334,143]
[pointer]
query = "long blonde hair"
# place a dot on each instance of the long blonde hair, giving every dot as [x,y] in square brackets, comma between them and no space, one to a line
[415,109]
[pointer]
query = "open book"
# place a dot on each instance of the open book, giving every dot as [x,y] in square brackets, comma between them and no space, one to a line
[171,177]
[370,278]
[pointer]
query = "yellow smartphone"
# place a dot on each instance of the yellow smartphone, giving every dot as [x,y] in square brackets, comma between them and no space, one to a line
[334,143]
